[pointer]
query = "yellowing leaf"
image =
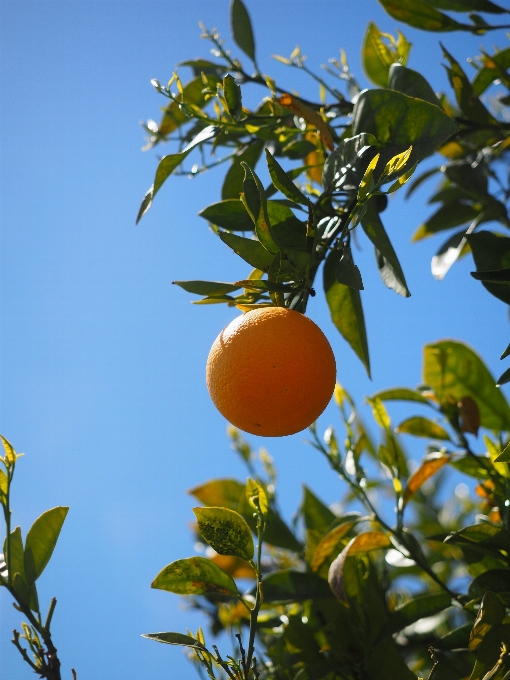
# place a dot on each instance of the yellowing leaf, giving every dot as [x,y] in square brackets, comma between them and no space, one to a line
[311,116]
[429,467]
[329,543]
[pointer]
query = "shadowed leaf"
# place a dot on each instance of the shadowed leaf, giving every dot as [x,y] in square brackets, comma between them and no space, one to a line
[430,465]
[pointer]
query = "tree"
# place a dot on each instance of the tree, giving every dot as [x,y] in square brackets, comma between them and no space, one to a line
[331,603]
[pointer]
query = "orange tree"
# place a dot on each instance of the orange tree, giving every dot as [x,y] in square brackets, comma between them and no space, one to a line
[371,595]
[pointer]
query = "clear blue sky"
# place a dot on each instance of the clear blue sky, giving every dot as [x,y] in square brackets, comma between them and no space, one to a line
[102,359]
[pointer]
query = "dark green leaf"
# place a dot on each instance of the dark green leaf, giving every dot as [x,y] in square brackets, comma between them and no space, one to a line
[316,515]
[494,276]
[420,15]
[298,149]
[249,250]
[505,353]
[194,576]
[168,164]
[455,639]
[467,6]
[422,427]
[232,94]
[468,102]
[397,120]
[449,215]
[490,71]
[219,492]
[401,394]
[504,378]
[495,580]
[491,252]
[283,182]
[389,266]
[346,311]
[411,83]
[214,288]
[488,534]
[347,272]
[175,639]
[256,203]
[225,531]
[418,181]
[453,249]
[289,586]
[204,66]
[233,182]
[271,286]
[416,609]
[454,371]
[344,167]
[41,540]
[229,214]
[240,25]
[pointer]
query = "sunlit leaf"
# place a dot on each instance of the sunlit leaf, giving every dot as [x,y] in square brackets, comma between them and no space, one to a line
[194,576]
[420,14]
[379,411]
[219,492]
[176,639]
[282,181]
[225,531]
[453,371]
[430,465]
[401,394]
[257,497]
[249,250]
[411,83]
[329,544]
[377,56]
[41,540]
[422,427]
[232,94]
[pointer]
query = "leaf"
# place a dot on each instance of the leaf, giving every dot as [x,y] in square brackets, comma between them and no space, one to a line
[431,464]
[347,272]
[418,608]
[503,378]
[257,497]
[469,415]
[226,531]
[452,250]
[422,427]
[234,566]
[228,214]
[377,56]
[249,250]
[193,93]
[254,199]
[454,371]
[213,288]
[420,14]
[329,543]
[310,115]
[401,394]
[298,149]
[233,182]
[447,216]
[491,252]
[17,559]
[495,580]
[389,266]
[240,26]
[316,515]
[491,613]
[346,310]
[10,453]
[398,120]
[232,94]
[362,543]
[168,164]
[345,166]
[194,576]
[411,83]
[489,72]
[283,182]
[474,466]
[4,487]
[176,639]
[41,540]
[288,586]
[219,492]
[381,416]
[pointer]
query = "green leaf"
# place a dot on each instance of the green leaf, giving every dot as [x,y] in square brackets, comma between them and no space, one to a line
[233,182]
[232,94]
[468,6]
[257,497]
[345,165]
[401,394]
[249,250]
[219,492]
[283,182]
[346,310]
[503,378]
[422,427]
[454,371]
[10,453]
[381,416]
[474,466]
[176,639]
[213,288]
[420,14]
[418,608]
[168,164]
[298,149]
[347,272]
[41,540]
[411,83]
[4,487]
[193,93]
[225,531]
[447,216]
[330,543]
[489,72]
[288,586]
[254,199]
[491,613]
[316,515]
[398,120]
[194,576]
[452,250]
[17,559]
[240,25]
[389,266]
[377,56]
[468,102]
[495,580]
[228,214]
[505,353]
[491,252]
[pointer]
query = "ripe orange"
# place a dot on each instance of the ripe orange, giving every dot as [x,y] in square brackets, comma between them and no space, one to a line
[271,372]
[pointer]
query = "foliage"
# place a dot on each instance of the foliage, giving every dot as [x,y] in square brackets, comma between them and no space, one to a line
[333,162]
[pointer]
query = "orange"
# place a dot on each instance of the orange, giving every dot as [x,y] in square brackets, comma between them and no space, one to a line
[271,372]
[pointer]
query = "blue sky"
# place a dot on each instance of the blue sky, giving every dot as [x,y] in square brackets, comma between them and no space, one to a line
[102,359]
